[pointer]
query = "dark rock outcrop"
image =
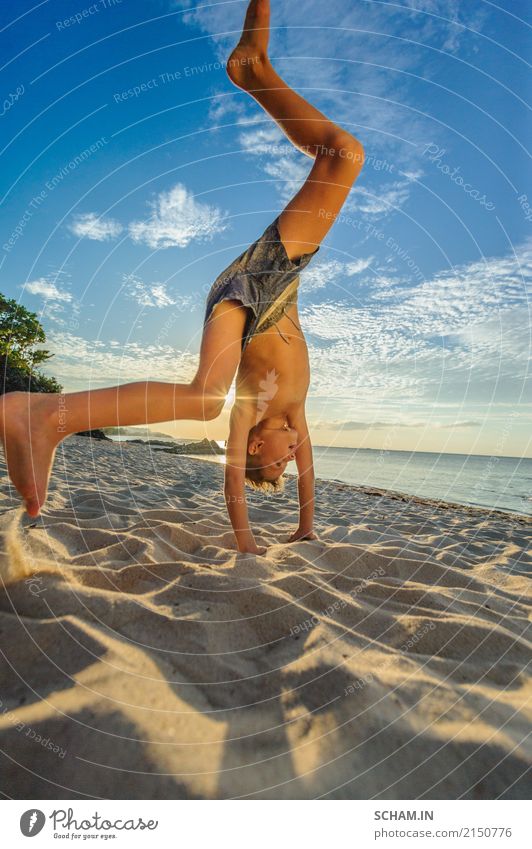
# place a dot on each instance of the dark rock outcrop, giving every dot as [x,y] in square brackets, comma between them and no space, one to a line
[94,434]
[206,446]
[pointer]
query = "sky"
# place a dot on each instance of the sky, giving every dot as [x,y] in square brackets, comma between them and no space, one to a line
[133,173]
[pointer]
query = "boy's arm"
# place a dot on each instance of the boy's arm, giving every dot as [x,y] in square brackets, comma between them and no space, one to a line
[235,471]
[305,483]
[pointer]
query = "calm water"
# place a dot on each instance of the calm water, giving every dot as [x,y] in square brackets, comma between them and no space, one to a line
[504,483]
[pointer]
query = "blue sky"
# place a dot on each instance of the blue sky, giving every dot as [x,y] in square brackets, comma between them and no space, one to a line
[133,173]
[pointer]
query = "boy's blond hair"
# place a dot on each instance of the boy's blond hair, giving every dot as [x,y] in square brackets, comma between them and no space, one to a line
[255,480]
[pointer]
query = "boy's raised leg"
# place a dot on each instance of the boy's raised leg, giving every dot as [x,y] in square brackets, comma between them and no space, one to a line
[338,155]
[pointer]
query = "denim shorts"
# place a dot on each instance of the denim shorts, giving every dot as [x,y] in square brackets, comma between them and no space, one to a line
[263,279]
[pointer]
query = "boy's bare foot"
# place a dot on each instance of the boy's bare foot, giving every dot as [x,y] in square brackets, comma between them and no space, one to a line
[248,59]
[30,440]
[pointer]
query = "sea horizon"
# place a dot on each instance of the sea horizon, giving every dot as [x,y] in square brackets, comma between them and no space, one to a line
[180,440]
[489,481]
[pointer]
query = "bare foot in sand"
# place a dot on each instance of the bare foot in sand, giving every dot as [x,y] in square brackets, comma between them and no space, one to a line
[248,60]
[30,438]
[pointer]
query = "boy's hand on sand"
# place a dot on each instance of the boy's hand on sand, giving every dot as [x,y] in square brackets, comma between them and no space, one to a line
[246,544]
[301,534]
[255,549]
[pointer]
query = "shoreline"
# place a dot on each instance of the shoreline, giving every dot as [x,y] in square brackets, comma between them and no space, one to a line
[129,438]
[385,659]
[402,494]
[397,495]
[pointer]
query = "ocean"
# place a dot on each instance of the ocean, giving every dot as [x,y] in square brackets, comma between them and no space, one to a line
[501,483]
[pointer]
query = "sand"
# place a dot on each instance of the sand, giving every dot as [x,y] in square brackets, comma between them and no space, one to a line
[142,657]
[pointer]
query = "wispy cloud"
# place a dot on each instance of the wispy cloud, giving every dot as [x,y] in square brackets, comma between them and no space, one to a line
[463,332]
[440,21]
[47,289]
[56,298]
[380,425]
[178,218]
[154,295]
[289,168]
[89,225]
[277,157]
[264,140]
[322,273]
[453,22]
[81,362]
[451,302]
[381,201]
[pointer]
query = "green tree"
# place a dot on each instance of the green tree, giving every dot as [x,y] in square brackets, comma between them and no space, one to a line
[20,333]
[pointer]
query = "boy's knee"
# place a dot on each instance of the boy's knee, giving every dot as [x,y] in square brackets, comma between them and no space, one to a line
[347,149]
[210,399]
[212,408]
[213,400]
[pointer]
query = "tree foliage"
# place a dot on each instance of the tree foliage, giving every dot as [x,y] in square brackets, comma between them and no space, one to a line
[20,334]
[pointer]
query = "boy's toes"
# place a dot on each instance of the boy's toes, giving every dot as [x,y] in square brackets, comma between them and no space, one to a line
[32,507]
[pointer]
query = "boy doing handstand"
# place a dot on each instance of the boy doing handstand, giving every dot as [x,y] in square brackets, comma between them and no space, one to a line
[251,328]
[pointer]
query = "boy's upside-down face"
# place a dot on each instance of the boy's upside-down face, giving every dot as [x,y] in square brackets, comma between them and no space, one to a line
[269,452]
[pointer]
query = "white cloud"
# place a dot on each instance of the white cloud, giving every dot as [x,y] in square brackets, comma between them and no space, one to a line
[357,266]
[451,23]
[385,425]
[154,294]
[469,294]
[290,168]
[47,290]
[322,273]
[177,219]
[157,296]
[289,172]
[265,140]
[91,226]
[452,302]
[224,107]
[79,362]
[416,174]
[463,333]
[379,201]
[56,297]
[278,158]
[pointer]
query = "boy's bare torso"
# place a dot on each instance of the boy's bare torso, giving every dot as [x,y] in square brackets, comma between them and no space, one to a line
[274,371]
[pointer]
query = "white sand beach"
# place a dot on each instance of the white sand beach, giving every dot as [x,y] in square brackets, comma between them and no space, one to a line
[142,657]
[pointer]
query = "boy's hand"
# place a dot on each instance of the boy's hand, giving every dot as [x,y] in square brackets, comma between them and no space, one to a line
[235,497]
[247,545]
[301,534]
[255,549]
[305,480]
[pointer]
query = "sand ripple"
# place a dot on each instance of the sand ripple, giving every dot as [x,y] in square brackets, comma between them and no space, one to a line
[142,657]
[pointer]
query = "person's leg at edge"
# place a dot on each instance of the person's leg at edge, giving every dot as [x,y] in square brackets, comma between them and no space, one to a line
[33,424]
